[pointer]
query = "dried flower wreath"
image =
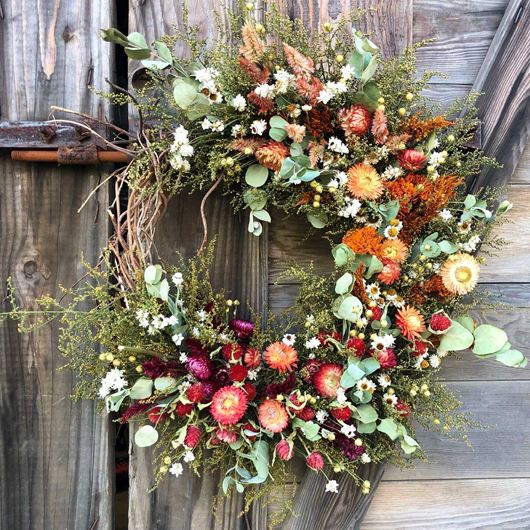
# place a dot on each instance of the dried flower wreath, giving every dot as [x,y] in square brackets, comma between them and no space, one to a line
[316,125]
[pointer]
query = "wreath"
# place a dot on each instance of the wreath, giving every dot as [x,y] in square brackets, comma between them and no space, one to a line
[317,125]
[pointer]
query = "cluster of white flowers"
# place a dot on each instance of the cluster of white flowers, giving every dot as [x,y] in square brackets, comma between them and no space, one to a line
[176,469]
[113,380]
[330,90]
[284,81]
[351,207]
[348,430]
[180,150]
[471,245]
[321,416]
[339,180]
[347,72]
[239,103]
[206,78]
[332,486]
[445,214]
[392,172]
[154,323]
[215,125]
[312,343]
[338,146]
[341,396]
[178,338]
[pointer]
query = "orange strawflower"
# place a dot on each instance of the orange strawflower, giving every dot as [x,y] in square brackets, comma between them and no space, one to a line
[364,182]
[395,250]
[281,357]
[420,129]
[273,416]
[410,321]
[364,240]
[229,405]
[272,155]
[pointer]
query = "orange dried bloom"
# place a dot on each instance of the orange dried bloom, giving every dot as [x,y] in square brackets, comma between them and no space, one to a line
[253,46]
[301,65]
[422,128]
[272,155]
[410,321]
[264,105]
[281,357]
[379,127]
[257,74]
[364,182]
[364,240]
[295,132]
[273,416]
[309,88]
[246,143]
[318,121]
[395,250]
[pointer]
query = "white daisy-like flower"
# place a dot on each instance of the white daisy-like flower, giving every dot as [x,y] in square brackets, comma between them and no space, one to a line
[373,291]
[464,226]
[183,357]
[338,146]
[392,172]
[159,322]
[283,81]
[471,245]
[264,90]
[332,486]
[289,339]
[347,72]
[171,321]
[176,469]
[321,416]
[445,214]
[384,380]
[348,430]
[434,361]
[392,231]
[186,150]
[365,385]
[113,380]
[390,399]
[342,177]
[365,458]
[306,108]
[324,96]
[341,396]
[312,343]
[177,338]
[178,163]
[237,130]
[180,136]
[436,158]
[202,315]
[189,457]
[350,208]
[239,103]
[104,390]
[143,318]
[258,127]
[205,75]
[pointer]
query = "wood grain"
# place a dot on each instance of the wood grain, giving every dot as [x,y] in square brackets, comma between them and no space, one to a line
[504,106]
[451,504]
[56,457]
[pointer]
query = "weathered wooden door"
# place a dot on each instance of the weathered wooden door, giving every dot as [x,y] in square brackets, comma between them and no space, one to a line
[56,468]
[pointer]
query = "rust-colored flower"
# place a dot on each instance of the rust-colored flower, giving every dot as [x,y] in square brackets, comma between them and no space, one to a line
[364,182]
[253,46]
[318,120]
[355,120]
[281,357]
[264,105]
[412,160]
[272,155]
[379,127]
[273,416]
[410,321]
[257,74]
[364,240]
[420,129]
[395,250]
[301,65]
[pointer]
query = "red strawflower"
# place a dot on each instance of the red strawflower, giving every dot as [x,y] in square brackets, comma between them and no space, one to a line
[229,405]
[315,461]
[273,389]
[306,414]
[196,393]
[157,415]
[251,391]
[387,358]
[343,413]
[252,358]
[226,435]
[156,367]
[412,160]
[232,352]
[309,369]
[324,335]
[279,356]
[439,323]
[347,447]
[355,120]
[390,273]
[193,436]
[242,328]
[327,379]
[237,373]
[403,408]
[284,450]
[273,416]
[420,348]
[199,366]
[357,345]
[183,409]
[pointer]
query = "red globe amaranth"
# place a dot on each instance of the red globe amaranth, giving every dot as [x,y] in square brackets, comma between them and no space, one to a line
[327,379]
[439,323]
[232,352]
[237,373]
[412,160]
[343,413]
[355,120]
[387,358]
[306,414]
[377,313]
[183,409]
[284,450]
[196,393]
[157,415]
[252,358]
[403,408]
[420,348]
[199,366]
[135,409]
[193,436]
[315,461]
[324,335]
[357,345]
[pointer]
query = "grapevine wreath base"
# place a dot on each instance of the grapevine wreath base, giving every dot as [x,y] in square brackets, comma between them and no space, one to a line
[316,125]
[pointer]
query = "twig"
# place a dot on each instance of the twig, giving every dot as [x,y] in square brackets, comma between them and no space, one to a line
[203,215]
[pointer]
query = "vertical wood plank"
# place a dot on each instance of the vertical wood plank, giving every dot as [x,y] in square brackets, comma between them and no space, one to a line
[56,466]
[240,267]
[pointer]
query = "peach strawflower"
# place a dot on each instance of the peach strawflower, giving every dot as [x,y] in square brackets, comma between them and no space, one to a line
[272,415]
[295,132]
[390,273]
[410,321]
[395,250]
[281,357]
[460,273]
[229,405]
[364,182]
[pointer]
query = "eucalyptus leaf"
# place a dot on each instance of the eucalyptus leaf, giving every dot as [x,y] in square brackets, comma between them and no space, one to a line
[277,122]
[185,92]
[262,215]
[457,338]
[447,247]
[153,274]
[342,254]
[390,428]
[366,414]
[165,383]
[277,134]
[142,388]
[512,358]
[145,436]
[256,175]
[344,283]
[164,52]
[318,220]
[488,339]
[366,428]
